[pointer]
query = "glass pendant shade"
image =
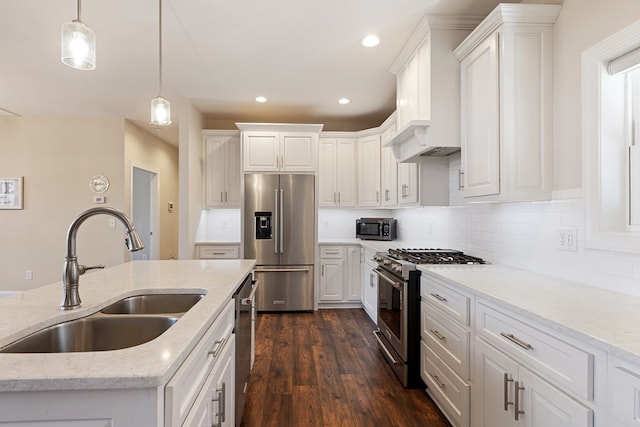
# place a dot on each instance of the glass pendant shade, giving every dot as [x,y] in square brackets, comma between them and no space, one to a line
[78,45]
[160,111]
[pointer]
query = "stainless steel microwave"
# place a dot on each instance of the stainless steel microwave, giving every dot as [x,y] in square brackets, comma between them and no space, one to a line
[376,228]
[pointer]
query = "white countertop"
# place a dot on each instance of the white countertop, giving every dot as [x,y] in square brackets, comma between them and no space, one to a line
[605,319]
[148,365]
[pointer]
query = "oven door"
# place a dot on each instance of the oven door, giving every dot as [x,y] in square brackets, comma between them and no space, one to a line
[392,311]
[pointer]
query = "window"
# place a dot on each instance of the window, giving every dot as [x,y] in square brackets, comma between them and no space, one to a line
[611,141]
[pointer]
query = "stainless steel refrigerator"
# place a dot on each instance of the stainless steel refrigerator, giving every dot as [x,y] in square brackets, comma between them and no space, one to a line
[279,232]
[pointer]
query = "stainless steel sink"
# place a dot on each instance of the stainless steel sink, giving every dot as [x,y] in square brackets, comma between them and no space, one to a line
[154,304]
[93,333]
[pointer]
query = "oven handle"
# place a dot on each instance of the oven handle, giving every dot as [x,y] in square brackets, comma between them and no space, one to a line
[376,334]
[390,279]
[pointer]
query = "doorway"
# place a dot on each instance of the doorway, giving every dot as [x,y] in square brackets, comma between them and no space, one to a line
[144,211]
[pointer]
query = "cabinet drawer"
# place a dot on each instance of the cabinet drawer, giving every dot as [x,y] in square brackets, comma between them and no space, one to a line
[445,387]
[182,390]
[447,339]
[218,252]
[624,392]
[451,302]
[331,252]
[560,362]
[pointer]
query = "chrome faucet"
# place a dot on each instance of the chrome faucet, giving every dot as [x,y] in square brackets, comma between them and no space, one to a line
[72,271]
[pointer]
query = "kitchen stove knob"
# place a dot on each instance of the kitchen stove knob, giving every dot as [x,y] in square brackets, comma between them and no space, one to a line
[386,262]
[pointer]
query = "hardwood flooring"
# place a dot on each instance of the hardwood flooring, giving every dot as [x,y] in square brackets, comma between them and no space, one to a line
[325,369]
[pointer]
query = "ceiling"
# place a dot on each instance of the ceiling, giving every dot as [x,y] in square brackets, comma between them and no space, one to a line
[303,56]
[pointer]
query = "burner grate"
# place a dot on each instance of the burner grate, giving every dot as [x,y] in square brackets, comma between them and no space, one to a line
[435,256]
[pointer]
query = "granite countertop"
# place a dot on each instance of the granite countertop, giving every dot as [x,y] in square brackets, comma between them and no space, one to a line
[148,365]
[604,319]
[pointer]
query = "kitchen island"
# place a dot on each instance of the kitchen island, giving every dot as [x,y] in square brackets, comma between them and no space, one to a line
[120,387]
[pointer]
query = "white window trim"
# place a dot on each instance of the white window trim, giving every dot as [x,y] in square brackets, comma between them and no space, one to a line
[606,199]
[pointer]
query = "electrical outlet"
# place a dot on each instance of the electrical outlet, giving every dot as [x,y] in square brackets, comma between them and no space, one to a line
[567,239]
[28,275]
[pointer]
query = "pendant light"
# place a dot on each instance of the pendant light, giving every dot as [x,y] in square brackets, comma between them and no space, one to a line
[78,44]
[160,107]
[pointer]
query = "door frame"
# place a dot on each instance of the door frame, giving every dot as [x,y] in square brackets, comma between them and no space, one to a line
[154,207]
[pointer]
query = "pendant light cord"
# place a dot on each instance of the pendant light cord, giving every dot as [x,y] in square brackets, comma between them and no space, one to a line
[79,9]
[160,46]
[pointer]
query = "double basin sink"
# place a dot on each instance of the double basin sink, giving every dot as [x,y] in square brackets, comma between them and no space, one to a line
[126,323]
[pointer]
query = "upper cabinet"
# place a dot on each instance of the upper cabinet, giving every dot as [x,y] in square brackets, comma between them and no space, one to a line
[389,166]
[369,168]
[506,99]
[221,169]
[427,90]
[337,172]
[279,147]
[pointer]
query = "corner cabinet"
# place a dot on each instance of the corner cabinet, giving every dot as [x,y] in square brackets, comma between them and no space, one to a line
[337,172]
[279,147]
[221,151]
[369,168]
[506,104]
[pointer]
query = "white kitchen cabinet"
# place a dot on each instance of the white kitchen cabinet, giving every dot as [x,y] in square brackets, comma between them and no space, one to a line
[279,147]
[214,405]
[340,283]
[445,347]
[369,171]
[506,393]
[408,191]
[623,392]
[184,388]
[221,169]
[389,166]
[506,105]
[337,172]
[215,251]
[370,286]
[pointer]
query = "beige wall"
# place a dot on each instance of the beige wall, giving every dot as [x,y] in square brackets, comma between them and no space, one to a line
[57,157]
[147,151]
[581,24]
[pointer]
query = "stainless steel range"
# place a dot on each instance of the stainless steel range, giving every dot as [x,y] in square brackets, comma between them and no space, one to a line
[398,332]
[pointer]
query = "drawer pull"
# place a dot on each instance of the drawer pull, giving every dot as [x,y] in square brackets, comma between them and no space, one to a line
[438,335]
[332,252]
[506,391]
[437,380]
[517,411]
[517,341]
[439,297]
[217,345]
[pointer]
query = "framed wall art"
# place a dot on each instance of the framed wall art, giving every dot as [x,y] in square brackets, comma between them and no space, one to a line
[11,193]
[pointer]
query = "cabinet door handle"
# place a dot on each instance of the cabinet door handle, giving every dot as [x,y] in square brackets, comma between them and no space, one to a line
[226,199]
[217,345]
[438,334]
[437,380]
[322,270]
[517,409]
[371,277]
[334,198]
[506,391]
[377,196]
[386,194]
[517,341]
[439,297]
[221,197]
[460,180]
[338,197]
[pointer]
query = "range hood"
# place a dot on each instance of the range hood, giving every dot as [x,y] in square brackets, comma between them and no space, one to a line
[414,140]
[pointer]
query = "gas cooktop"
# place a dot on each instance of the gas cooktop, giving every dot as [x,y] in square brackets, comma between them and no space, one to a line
[434,256]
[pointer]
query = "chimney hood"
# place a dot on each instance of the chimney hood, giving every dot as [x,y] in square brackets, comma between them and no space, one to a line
[414,140]
[428,89]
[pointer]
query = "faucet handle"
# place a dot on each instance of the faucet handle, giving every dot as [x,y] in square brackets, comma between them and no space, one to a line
[83,268]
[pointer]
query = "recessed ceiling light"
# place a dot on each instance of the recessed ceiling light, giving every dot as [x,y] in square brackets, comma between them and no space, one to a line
[344,101]
[370,41]
[261,99]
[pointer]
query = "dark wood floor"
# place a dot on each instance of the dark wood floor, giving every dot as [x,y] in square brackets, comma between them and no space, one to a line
[325,369]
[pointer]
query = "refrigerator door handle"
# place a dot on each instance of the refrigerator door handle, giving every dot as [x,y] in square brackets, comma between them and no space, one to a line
[281,225]
[276,224]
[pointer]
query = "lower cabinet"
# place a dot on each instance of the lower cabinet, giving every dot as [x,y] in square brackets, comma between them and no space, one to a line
[339,276]
[214,251]
[204,385]
[214,406]
[506,393]
[370,286]
[623,393]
